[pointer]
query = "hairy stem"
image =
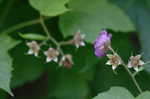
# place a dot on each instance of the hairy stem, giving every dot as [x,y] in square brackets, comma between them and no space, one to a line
[49,35]
[132,75]
[133,78]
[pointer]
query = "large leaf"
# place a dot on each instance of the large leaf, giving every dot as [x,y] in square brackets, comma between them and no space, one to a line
[70,85]
[3,95]
[115,93]
[139,12]
[145,95]
[94,16]
[73,83]
[27,68]
[49,7]
[6,43]
[1,1]
[120,93]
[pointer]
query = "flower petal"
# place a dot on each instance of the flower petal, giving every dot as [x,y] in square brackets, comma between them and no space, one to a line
[30,52]
[136,69]
[48,59]
[82,43]
[55,59]
[108,63]
[141,62]
[114,67]
[109,56]
[101,43]
[35,54]
[138,56]
[129,65]
[77,45]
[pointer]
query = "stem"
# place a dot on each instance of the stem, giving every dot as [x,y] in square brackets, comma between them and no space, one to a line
[21,25]
[133,78]
[129,72]
[65,43]
[49,35]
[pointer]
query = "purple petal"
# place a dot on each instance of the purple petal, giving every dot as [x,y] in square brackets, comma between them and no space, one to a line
[103,39]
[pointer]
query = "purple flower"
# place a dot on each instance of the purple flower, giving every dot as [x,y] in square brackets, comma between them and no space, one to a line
[102,43]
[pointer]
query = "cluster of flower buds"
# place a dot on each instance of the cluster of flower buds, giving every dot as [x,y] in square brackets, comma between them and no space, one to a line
[53,54]
[78,39]
[103,44]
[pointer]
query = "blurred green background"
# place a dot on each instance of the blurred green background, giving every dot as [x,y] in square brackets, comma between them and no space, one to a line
[33,78]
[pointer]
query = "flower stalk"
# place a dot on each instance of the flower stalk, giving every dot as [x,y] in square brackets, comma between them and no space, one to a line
[49,35]
[103,44]
[133,78]
[132,75]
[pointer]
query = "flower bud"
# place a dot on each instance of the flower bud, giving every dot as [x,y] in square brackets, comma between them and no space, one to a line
[34,48]
[66,61]
[51,54]
[78,39]
[135,62]
[114,60]
[102,43]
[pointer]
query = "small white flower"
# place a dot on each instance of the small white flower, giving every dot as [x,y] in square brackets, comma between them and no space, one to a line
[114,60]
[66,61]
[34,48]
[78,39]
[135,62]
[52,55]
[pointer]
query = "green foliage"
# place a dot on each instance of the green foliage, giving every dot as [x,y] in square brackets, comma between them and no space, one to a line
[74,83]
[6,43]
[50,7]
[33,78]
[141,9]
[1,1]
[32,36]
[26,68]
[70,85]
[106,78]
[93,17]
[144,95]
[120,93]
[115,93]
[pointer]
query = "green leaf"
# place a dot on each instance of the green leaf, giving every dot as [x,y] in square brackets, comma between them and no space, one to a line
[50,7]
[27,68]
[115,93]
[94,16]
[3,95]
[6,43]
[72,85]
[33,36]
[82,65]
[140,8]
[1,1]
[144,95]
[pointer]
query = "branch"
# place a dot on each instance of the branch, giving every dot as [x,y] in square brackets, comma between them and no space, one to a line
[22,25]
[49,35]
